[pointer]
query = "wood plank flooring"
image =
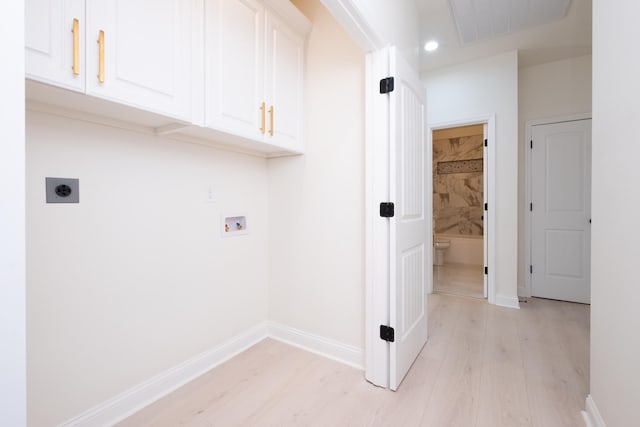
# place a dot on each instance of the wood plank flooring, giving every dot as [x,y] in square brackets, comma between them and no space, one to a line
[459,279]
[482,366]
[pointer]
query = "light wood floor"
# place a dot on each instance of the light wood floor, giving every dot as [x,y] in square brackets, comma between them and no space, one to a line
[459,279]
[482,366]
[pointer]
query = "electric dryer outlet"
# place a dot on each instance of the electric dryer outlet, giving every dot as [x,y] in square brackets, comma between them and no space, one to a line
[63,190]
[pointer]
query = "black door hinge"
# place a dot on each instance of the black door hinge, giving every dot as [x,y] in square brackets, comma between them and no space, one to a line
[531,269]
[387,210]
[387,333]
[486,270]
[486,206]
[386,85]
[486,144]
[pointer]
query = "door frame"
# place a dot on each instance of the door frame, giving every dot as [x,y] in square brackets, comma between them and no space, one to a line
[13,336]
[528,171]
[490,176]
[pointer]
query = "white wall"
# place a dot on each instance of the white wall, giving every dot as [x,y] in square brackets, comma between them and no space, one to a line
[488,86]
[615,287]
[554,89]
[12,218]
[396,23]
[136,278]
[463,250]
[374,24]
[316,201]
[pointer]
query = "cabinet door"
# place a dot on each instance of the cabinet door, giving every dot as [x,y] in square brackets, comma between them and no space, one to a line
[235,67]
[50,38]
[146,59]
[284,84]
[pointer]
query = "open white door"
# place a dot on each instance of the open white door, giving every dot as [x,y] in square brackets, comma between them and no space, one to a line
[408,228]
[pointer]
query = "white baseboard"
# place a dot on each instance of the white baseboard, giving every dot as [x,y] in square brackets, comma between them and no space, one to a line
[509,302]
[340,352]
[132,400]
[125,404]
[591,415]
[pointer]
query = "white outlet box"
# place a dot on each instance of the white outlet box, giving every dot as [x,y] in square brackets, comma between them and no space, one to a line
[234,225]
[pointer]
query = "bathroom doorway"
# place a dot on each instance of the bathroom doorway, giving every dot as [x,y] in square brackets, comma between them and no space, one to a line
[459,210]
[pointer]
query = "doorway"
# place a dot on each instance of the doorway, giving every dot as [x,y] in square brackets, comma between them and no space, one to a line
[458,168]
[487,242]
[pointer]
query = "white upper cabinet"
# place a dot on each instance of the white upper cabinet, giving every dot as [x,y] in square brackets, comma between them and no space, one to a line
[234,66]
[228,73]
[54,42]
[284,83]
[133,52]
[254,71]
[139,53]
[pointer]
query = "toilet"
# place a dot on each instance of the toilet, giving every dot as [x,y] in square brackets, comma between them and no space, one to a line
[441,247]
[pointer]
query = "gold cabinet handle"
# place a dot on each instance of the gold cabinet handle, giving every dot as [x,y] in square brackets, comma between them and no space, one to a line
[101,56]
[262,113]
[272,112]
[76,46]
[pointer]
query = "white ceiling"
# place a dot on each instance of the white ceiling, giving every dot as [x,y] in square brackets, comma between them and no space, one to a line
[482,19]
[491,27]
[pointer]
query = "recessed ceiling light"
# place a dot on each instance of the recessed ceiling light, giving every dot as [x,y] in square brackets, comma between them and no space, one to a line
[430,46]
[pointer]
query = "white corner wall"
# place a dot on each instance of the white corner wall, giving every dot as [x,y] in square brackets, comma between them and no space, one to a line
[554,89]
[615,287]
[316,201]
[374,24]
[396,23]
[480,88]
[12,219]
[136,278]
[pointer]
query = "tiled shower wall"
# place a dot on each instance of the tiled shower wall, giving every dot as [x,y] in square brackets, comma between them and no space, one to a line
[457,185]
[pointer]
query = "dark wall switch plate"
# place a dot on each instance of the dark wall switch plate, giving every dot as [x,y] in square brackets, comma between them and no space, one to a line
[63,190]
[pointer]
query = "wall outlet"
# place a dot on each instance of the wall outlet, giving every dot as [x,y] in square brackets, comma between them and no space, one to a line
[62,190]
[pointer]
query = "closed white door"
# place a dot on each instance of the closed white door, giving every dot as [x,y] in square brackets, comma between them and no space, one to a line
[409,234]
[561,211]
[54,42]
[139,53]
[235,67]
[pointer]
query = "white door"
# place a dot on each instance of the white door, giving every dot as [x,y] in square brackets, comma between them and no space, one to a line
[561,211]
[146,54]
[235,67]
[408,228]
[54,42]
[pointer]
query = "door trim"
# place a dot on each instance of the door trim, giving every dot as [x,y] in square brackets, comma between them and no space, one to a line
[489,175]
[528,170]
